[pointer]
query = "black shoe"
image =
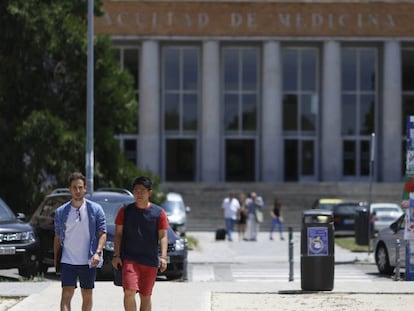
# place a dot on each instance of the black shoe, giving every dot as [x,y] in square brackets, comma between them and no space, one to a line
[271,238]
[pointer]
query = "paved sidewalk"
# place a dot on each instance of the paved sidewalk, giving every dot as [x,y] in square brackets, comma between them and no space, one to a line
[381,294]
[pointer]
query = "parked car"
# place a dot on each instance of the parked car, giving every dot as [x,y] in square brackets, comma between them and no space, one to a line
[385,246]
[344,217]
[176,212]
[43,222]
[326,203]
[19,247]
[384,214]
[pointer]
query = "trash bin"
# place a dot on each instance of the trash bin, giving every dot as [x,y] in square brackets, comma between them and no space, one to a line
[361,226]
[317,263]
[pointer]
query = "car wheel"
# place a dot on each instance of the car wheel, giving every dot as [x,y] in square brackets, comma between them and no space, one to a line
[382,260]
[43,268]
[28,272]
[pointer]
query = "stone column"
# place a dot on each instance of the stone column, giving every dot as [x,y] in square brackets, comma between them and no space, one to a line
[271,117]
[391,117]
[330,114]
[149,143]
[211,119]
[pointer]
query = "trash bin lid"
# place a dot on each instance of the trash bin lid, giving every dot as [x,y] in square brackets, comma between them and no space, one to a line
[317,216]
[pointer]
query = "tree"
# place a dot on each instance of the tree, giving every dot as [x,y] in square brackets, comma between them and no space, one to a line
[43,59]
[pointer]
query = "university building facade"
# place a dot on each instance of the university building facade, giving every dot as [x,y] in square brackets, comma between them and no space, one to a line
[267,91]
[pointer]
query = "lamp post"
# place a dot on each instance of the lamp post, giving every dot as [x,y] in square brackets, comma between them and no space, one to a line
[371,174]
[89,102]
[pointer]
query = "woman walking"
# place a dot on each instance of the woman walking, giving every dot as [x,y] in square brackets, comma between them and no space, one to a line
[277,218]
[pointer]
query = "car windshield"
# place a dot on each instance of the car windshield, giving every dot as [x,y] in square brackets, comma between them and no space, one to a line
[6,213]
[327,206]
[385,209]
[171,206]
[111,206]
[345,209]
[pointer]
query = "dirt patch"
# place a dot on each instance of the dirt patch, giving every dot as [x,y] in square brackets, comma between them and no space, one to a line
[7,302]
[315,301]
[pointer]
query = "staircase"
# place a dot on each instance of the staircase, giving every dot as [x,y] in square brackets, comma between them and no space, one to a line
[205,199]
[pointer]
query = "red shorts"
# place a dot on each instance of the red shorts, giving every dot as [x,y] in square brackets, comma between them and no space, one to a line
[138,277]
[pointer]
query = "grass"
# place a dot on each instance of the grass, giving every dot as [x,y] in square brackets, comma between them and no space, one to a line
[349,243]
[192,242]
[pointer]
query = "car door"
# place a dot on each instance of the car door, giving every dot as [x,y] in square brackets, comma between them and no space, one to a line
[44,224]
[391,242]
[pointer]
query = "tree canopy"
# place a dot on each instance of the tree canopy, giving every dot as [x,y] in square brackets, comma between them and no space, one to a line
[43,63]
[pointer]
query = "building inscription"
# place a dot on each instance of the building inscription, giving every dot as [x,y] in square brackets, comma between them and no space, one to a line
[203,20]
[224,19]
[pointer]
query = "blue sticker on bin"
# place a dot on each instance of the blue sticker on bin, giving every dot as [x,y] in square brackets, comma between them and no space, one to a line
[317,241]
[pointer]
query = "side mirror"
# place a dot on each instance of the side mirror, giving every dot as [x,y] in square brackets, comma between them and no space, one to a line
[187,209]
[21,216]
[394,227]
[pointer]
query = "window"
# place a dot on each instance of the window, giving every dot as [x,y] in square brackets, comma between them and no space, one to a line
[180,99]
[128,57]
[300,111]
[240,80]
[359,96]
[241,90]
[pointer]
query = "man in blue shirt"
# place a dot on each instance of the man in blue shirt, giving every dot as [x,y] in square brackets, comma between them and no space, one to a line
[80,236]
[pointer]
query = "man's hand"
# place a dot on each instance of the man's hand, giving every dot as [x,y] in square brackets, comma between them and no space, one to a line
[163,264]
[95,260]
[116,262]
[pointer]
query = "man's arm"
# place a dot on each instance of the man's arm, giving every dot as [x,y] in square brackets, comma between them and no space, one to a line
[163,237]
[116,260]
[56,249]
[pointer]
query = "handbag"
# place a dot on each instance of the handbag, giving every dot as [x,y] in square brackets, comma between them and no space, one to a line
[259,215]
[117,276]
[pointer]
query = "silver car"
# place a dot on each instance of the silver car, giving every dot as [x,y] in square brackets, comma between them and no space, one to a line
[384,214]
[385,246]
[176,212]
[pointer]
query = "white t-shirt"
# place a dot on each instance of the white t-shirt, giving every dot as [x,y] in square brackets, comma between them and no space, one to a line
[77,237]
[231,206]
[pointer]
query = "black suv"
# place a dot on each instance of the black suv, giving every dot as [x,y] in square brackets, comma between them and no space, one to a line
[110,200]
[18,244]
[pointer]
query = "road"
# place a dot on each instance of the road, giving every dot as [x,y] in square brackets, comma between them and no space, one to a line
[270,272]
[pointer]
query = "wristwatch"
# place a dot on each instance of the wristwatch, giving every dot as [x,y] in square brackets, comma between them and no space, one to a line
[99,253]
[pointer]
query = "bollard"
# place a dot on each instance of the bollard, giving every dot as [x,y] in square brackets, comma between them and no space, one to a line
[397,276]
[290,255]
[185,271]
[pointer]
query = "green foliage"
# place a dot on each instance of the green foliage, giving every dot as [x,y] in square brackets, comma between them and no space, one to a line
[192,243]
[349,243]
[43,59]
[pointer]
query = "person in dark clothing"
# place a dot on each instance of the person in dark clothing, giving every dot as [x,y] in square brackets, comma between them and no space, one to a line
[242,217]
[141,228]
[277,218]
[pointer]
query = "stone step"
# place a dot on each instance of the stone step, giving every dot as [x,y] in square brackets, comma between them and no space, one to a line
[205,199]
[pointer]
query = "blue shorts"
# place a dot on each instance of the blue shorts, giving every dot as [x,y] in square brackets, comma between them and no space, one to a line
[70,273]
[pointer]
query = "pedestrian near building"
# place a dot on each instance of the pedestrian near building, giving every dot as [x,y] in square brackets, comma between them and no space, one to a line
[242,217]
[231,207]
[141,227]
[254,204]
[80,236]
[277,218]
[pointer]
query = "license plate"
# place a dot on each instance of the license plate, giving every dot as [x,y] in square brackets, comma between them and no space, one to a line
[7,250]
[348,221]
